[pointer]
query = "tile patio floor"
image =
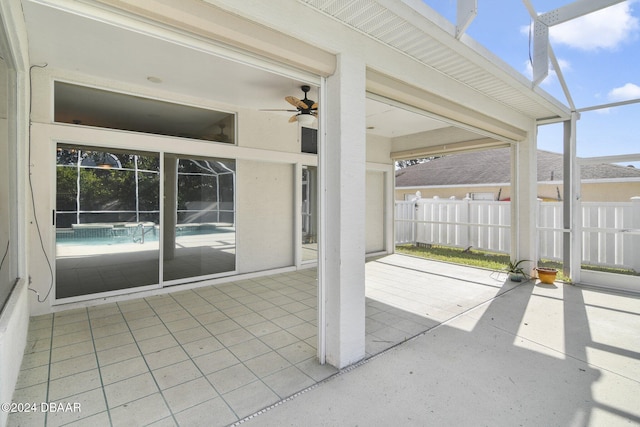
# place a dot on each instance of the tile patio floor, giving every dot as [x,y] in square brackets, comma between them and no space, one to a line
[215,355]
[535,355]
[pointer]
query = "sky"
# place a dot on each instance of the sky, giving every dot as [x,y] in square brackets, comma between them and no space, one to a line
[599,56]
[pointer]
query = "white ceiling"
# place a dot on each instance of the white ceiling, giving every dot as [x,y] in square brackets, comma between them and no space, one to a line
[73,42]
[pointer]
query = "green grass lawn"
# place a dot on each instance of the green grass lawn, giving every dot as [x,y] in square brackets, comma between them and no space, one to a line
[474,258]
[488,260]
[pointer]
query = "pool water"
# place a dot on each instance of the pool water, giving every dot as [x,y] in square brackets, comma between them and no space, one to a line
[109,235]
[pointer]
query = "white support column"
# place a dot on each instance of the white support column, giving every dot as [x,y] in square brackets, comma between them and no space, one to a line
[342,175]
[572,212]
[524,179]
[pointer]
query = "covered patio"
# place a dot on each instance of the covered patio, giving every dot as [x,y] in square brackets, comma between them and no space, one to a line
[534,355]
[218,354]
[290,301]
[446,344]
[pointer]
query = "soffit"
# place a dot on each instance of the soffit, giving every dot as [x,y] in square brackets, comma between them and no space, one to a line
[417,31]
[117,48]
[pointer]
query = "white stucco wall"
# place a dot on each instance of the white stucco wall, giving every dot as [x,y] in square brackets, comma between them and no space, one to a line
[379,201]
[268,131]
[378,149]
[375,203]
[264,215]
[267,153]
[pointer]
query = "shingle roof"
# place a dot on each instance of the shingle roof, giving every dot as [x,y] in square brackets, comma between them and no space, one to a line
[493,167]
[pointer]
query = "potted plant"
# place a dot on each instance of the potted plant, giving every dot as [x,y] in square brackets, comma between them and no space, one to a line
[516,273]
[547,275]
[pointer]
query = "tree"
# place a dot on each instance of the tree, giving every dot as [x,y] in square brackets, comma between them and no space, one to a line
[400,164]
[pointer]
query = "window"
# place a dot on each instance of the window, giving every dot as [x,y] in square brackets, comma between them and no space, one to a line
[309,140]
[87,106]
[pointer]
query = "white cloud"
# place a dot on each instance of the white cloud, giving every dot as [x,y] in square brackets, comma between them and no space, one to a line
[623,93]
[605,29]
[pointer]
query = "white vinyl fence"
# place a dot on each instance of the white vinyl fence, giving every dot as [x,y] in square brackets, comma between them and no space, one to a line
[610,231]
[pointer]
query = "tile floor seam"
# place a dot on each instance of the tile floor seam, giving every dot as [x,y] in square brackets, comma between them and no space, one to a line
[282,401]
[95,353]
[53,323]
[239,387]
[258,377]
[150,372]
[293,294]
[205,376]
[221,395]
[48,380]
[367,360]
[329,378]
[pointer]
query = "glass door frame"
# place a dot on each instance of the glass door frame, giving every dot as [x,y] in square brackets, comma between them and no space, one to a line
[163,215]
[122,291]
[312,194]
[102,145]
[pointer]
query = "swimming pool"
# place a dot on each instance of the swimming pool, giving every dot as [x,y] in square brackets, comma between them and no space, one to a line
[126,233]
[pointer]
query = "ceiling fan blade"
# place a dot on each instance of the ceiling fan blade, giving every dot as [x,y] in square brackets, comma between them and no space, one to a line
[277,109]
[314,106]
[296,102]
[293,118]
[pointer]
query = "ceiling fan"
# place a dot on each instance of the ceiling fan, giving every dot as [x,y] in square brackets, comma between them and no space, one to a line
[306,109]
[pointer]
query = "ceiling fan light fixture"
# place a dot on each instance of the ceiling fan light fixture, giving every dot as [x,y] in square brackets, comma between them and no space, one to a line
[306,119]
[306,109]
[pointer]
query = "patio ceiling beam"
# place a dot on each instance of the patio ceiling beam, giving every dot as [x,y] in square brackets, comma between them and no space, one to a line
[610,105]
[574,10]
[476,144]
[467,10]
[191,22]
[608,159]
[542,53]
[542,50]
[432,105]
[563,82]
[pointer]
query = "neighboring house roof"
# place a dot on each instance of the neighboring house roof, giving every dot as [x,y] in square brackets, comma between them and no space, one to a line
[493,167]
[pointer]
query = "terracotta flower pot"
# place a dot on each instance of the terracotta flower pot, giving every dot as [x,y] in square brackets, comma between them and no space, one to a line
[547,275]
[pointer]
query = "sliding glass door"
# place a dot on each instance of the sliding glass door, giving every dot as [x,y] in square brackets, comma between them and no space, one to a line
[109,225]
[199,238]
[107,217]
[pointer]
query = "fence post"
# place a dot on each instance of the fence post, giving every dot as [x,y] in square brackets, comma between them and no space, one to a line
[635,232]
[538,222]
[415,216]
[467,220]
